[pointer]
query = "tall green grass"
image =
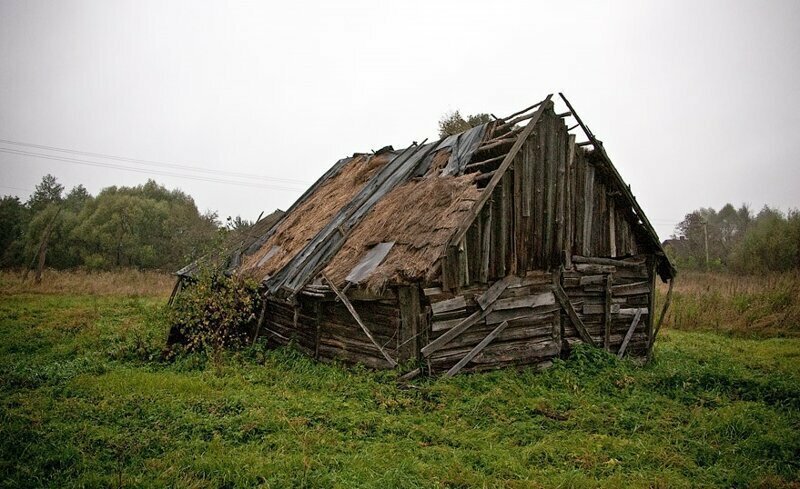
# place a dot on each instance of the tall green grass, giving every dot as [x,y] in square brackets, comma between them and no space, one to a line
[741,305]
[87,401]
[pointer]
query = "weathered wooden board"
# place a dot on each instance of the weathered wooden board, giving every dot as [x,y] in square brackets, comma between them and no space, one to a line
[446,324]
[631,289]
[525,301]
[600,309]
[589,268]
[497,317]
[455,303]
[478,348]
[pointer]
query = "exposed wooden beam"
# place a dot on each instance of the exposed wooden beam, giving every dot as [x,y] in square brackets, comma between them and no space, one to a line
[478,348]
[629,334]
[563,299]
[355,315]
[456,330]
[486,193]
[661,317]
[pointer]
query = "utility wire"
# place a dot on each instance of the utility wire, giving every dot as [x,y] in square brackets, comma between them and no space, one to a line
[154,163]
[148,172]
[17,188]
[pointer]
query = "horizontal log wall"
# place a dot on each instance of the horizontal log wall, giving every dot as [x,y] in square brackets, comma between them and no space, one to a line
[340,337]
[532,337]
[631,288]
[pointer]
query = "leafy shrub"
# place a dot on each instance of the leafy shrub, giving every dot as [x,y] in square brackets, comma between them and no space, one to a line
[214,313]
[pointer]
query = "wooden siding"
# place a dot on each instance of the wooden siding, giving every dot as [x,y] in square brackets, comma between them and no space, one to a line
[553,202]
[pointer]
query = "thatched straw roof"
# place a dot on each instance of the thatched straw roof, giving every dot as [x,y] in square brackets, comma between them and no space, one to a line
[412,198]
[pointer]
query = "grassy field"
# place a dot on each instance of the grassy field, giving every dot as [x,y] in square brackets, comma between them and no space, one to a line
[86,401]
[755,306]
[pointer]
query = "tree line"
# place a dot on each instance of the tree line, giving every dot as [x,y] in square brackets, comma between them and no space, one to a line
[737,240]
[146,226]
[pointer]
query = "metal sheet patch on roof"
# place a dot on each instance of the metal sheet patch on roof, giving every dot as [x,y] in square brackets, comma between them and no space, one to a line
[369,262]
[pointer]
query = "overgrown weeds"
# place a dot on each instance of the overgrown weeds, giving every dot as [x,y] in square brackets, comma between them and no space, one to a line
[744,305]
[123,282]
[214,313]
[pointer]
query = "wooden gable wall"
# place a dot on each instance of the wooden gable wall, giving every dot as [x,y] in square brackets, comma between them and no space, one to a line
[552,203]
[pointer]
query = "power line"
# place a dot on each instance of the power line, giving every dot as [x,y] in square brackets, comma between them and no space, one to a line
[154,163]
[17,188]
[148,172]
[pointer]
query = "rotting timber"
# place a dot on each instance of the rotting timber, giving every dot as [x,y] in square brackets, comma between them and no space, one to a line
[504,245]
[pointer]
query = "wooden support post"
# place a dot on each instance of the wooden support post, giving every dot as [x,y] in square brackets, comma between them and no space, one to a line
[318,326]
[563,300]
[612,228]
[607,314]
[260,319]
[355,315]
[407,347]
[478,348]
[174,291]
[661,318]
[629,334]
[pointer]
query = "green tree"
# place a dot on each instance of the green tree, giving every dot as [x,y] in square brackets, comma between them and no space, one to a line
[771,244]
[13,221]
[47,192]
[146,226]
[453,123]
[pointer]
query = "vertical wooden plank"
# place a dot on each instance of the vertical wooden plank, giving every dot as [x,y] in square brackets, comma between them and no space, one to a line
[451,276]
[569,240]
[550,190]
[519,234]
[463,263]
[607,314]
[318,327]
[651,306]
[612,228]
[588,210]
[407,344]
[503,236]
[486,246]
[473,247]
[580,183]
[538,196]
[526,172]
[561,186]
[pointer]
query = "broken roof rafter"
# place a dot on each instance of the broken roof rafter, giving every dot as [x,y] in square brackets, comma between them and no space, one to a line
[498,174]
[626,192]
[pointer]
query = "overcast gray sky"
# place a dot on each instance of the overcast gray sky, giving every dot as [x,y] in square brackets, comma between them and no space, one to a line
[698,103]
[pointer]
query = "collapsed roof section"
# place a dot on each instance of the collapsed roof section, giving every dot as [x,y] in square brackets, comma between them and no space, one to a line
[388,217]
[235,247]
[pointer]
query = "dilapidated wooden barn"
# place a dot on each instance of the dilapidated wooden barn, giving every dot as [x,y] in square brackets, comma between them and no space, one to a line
[503,245]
